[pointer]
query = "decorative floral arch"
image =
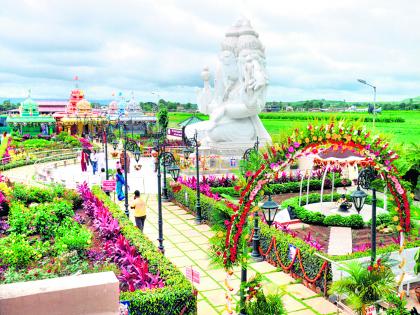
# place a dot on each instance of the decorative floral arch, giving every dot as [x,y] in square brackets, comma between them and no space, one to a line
[313,139]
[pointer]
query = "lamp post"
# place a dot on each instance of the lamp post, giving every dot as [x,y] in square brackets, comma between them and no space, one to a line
[167,160]
[190,143]
[256,237]
[374,96]
[174,171]
[127,213]
[269,209]
[160,220]
[365,180]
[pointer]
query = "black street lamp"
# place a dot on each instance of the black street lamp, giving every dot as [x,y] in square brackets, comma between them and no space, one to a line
[168,159]
[127,213]
[270,209]
[174,171]
[190,143]
[365,179]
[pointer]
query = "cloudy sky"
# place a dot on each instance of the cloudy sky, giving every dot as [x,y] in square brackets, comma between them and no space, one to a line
[315,49]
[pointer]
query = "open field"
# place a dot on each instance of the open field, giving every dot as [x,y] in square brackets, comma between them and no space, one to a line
[388,124]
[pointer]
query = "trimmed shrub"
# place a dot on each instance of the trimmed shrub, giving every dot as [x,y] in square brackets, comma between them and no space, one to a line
[178,295]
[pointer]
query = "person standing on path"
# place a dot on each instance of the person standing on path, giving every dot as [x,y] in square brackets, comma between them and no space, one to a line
[94,161]
[120,184]
[83,161]
[139,207]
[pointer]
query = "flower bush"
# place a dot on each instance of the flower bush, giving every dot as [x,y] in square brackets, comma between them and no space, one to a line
[177,296]
[205,188]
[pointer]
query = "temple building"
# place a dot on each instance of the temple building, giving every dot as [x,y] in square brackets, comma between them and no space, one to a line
[130,113]
[29,121]
[79,117]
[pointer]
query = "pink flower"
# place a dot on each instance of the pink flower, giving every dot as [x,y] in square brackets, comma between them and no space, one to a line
[296,144]
[248,174]
[367,147]
[288,156]
[291,150]
[387,162]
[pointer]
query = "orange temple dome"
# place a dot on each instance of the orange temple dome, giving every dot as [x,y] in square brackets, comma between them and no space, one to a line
[83,106]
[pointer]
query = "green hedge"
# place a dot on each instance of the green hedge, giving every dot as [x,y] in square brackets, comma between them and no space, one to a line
[24,162]
[177,296]
[314,184]
[354,221]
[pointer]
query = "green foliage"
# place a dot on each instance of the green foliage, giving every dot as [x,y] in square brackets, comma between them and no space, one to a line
[177,295]
[354,221]
[162,118]
[16,251]
[13,275]
[398,305]
[68,140]
[20,218]
[265,304]
[417,260]
[36,143]
[71,236]
[363,287]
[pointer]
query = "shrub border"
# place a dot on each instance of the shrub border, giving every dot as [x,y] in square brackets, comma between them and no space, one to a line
[177,296]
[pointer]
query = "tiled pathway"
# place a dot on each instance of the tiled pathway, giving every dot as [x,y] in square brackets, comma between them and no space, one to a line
[186,244]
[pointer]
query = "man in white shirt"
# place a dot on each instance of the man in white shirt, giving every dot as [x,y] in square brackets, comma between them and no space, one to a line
[94,161]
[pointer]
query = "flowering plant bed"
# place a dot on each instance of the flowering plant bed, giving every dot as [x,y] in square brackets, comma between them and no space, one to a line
[177,296]
[39,237]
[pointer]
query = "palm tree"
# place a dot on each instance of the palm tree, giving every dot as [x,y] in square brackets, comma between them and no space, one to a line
[364,286]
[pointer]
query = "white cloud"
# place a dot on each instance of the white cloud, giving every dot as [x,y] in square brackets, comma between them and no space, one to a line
[315,49]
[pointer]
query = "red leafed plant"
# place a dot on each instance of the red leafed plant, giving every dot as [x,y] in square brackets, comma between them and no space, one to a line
[135,273]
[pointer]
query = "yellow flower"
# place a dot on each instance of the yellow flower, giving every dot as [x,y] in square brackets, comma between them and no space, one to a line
[396,209]
[395,218]
[314,138]
[363,142]
[328,136]
[244,260]
[307,140]
[412,195]
[399,228]
[220,234]
[88,241]
[375,266]
[319,138]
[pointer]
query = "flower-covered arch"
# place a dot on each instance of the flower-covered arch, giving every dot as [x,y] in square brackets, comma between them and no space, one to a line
[313,139]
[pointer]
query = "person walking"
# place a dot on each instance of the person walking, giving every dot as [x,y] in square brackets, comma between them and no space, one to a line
[139,207]
[120,184]
[83,161]
[94,161]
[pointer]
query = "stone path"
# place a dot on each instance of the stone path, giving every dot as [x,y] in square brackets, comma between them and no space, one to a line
[341,242]
[187,244]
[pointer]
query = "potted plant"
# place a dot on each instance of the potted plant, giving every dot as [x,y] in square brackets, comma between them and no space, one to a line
[364,286]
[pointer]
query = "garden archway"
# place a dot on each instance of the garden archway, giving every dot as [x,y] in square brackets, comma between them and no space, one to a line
[331,136]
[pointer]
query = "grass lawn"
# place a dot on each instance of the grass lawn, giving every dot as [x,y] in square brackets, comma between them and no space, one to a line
[398,133]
